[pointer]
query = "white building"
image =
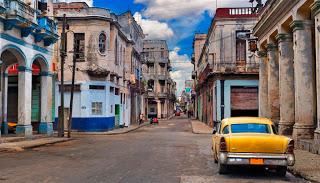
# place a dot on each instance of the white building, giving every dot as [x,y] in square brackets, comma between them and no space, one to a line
[26,50]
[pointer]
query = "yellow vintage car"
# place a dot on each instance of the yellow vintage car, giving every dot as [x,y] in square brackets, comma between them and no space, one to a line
[251,141]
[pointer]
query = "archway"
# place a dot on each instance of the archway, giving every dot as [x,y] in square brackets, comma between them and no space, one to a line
[11,56]
[41,99]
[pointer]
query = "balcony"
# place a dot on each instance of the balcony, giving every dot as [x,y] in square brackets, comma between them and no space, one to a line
[241,67]
[20,13]
[151,94]
[162,76]
[162,95]
[2,6]
[47,31]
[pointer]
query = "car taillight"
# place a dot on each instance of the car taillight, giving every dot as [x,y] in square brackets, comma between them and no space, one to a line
[223,145]
[290,148]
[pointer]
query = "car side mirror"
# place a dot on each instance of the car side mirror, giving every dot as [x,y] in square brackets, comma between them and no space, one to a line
[214,131]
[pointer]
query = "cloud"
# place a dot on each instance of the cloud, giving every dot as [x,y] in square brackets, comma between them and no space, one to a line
[89,2]
[168,9]
[182,68]
[154,29]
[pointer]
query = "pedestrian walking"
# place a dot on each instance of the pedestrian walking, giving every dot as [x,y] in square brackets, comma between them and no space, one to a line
[141,118]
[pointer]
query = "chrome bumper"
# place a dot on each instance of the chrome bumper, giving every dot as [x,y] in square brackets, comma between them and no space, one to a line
[268,159]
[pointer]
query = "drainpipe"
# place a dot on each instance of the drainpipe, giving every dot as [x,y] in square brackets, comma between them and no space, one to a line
[222,99]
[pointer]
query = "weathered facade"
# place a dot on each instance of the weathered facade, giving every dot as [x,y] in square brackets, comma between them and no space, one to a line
[103,43]
[226,71]
[160,87]
[133,64]
[27,35]
[289,44]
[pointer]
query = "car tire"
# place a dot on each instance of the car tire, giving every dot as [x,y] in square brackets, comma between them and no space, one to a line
[281,171]
[222,169]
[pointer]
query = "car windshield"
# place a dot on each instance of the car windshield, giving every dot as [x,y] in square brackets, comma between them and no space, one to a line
[250,128]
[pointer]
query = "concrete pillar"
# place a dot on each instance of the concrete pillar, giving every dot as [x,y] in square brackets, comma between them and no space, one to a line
[159,110]
[304,74]
[264,110]
[273,82]
[286,84]
[316,13]
[24,127]
[4,125]
[46,125]
[166,108]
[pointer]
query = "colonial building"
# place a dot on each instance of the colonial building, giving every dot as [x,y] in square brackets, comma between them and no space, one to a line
[133,64]
[160,87]
[289,44]
[225,69]
[106,58]
[27,35]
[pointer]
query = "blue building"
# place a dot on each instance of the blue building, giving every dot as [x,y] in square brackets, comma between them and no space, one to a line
[27,35]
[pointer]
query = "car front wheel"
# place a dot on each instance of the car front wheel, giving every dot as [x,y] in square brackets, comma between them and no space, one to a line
[281,171]
[222,169]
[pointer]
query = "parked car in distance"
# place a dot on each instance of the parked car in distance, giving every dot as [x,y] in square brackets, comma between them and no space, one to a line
[12,126]
[251,141]
[177,113]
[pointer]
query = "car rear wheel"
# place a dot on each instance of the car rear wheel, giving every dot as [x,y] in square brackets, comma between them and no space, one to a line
[281,171]
[222,169]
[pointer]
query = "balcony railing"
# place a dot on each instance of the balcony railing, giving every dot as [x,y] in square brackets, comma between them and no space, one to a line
[48,24]
[19,8]
[236,67]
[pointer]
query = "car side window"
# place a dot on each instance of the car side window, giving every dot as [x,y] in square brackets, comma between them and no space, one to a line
[225,130]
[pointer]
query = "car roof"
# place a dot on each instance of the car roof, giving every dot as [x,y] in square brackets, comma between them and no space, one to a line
[241,120]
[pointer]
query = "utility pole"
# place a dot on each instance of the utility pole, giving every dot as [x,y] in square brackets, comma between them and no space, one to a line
[72,89]
[63,56]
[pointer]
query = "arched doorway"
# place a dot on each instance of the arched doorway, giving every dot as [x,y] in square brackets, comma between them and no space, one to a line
[11,57]
[41,100]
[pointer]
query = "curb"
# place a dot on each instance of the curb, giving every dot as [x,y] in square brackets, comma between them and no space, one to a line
[110,133]
[302,175]
[194,132]
[17,148]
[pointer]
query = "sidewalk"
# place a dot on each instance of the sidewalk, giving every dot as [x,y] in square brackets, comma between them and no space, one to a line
[307,165]
[199,127]
[21,144]
[114,132]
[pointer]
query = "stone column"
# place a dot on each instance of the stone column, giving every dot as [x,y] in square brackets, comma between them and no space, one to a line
[316,14]
[304,74]
[4,125]
[286,84]
[46,125]
[24,127]
[273,83]
[264,110]
[159,109]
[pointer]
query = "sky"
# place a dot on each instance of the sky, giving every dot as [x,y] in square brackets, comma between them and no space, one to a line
[173,20]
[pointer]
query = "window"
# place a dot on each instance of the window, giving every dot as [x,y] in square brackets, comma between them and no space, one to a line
[117,91]
[79,46]
[250,128]
[225,130]
[96,87]
[152,110]
[116,51]
[67,88]
[102,43]
[96,108]
[111,89]
[241,45]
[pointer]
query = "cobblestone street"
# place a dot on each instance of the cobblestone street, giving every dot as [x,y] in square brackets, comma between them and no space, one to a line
[166,153]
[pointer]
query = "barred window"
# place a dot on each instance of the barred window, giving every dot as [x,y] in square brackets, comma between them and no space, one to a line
[102,43]
[96,108]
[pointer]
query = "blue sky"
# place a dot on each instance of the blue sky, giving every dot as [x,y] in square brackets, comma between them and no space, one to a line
[173,20]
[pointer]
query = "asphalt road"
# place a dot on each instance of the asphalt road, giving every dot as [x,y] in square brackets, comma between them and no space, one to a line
[168,153]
